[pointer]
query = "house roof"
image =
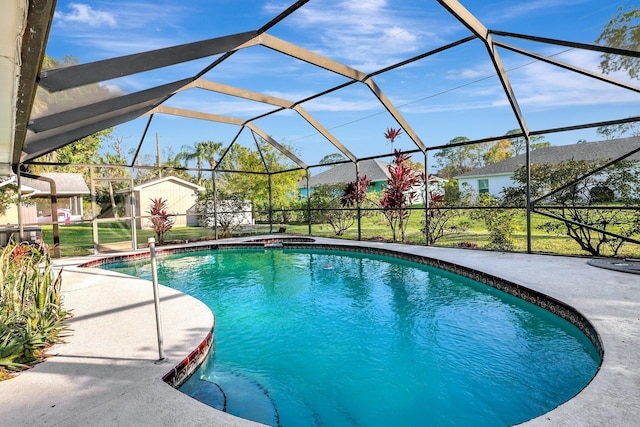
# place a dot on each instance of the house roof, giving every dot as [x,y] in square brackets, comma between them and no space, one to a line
[374,169]
[67,184]
[169,178]
[600,150]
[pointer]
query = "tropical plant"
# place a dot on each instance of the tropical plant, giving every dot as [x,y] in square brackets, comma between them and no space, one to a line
[161,221]
[326,208]
[402,189]
[31,314]
[391,134]
[355,192]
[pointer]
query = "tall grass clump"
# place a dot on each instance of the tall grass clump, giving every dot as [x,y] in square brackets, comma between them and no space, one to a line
[31,314]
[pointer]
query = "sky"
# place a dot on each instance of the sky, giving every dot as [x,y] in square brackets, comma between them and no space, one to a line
[450,94]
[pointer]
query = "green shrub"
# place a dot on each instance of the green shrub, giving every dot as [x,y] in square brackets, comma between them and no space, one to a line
[31,314]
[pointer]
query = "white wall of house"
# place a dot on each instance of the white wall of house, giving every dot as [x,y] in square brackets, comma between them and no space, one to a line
[495,183]
[28,215]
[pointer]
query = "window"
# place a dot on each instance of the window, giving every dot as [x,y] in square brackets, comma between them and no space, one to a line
[483,186]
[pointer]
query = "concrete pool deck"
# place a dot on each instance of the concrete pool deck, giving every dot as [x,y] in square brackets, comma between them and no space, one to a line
[106,373]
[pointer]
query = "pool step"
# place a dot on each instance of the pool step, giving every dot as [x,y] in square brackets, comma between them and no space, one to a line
[236,394]
[206,392]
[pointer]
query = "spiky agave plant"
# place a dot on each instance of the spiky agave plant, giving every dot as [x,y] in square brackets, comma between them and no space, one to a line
[31,314]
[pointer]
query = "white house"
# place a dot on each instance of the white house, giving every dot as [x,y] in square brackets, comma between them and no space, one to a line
[494,177]
[70,188]
[181,197]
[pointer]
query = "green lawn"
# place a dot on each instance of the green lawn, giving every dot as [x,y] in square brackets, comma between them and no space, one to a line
[78,240]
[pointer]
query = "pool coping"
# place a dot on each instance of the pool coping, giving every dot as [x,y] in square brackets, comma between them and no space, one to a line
[608,301]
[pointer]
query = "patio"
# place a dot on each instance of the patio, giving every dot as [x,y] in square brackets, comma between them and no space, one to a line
[107,375]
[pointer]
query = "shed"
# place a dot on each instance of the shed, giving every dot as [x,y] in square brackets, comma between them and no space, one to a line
[181,197]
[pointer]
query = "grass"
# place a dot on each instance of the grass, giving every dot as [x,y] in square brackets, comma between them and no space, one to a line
[78,239]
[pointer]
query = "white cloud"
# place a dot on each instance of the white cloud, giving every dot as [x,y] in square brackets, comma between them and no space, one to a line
[84,14]
[367,35]
[340,104]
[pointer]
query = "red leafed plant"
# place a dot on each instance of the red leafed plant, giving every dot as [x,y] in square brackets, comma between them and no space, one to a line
[355,192]
[391,134]
[403,186]
[161,221]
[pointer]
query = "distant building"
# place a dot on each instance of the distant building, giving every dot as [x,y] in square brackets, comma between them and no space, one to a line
[375,170]
[70,188]
[181,197]
[494,177]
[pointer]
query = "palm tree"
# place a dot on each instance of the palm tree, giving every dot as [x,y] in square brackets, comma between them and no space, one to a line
[201,152]
[211,150]
[196,153]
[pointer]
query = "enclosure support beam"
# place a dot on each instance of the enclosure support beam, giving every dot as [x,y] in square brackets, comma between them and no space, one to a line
[270,206]
[358,201]
[528,190]
[94,211]
[132,210]
[215,204]
[427,198]
[308,200]
[54,211]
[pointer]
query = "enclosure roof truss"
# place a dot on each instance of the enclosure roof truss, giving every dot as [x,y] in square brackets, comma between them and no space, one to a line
[43,135]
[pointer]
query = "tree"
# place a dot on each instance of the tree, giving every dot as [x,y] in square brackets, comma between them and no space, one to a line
[440,221]
[519,143]
[458,159]
[82,151]
[196,153]
[332,158]
[497,152]
[355,192]
[210,151]
[256,185]
[622,32]
[619,130]
[454,160]
[8,197]
[115,157]
[579,202]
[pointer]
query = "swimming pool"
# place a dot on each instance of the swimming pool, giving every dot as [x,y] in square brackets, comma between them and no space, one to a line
[312,337]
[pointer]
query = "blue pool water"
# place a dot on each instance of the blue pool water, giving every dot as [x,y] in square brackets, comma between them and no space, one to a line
[312,337]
